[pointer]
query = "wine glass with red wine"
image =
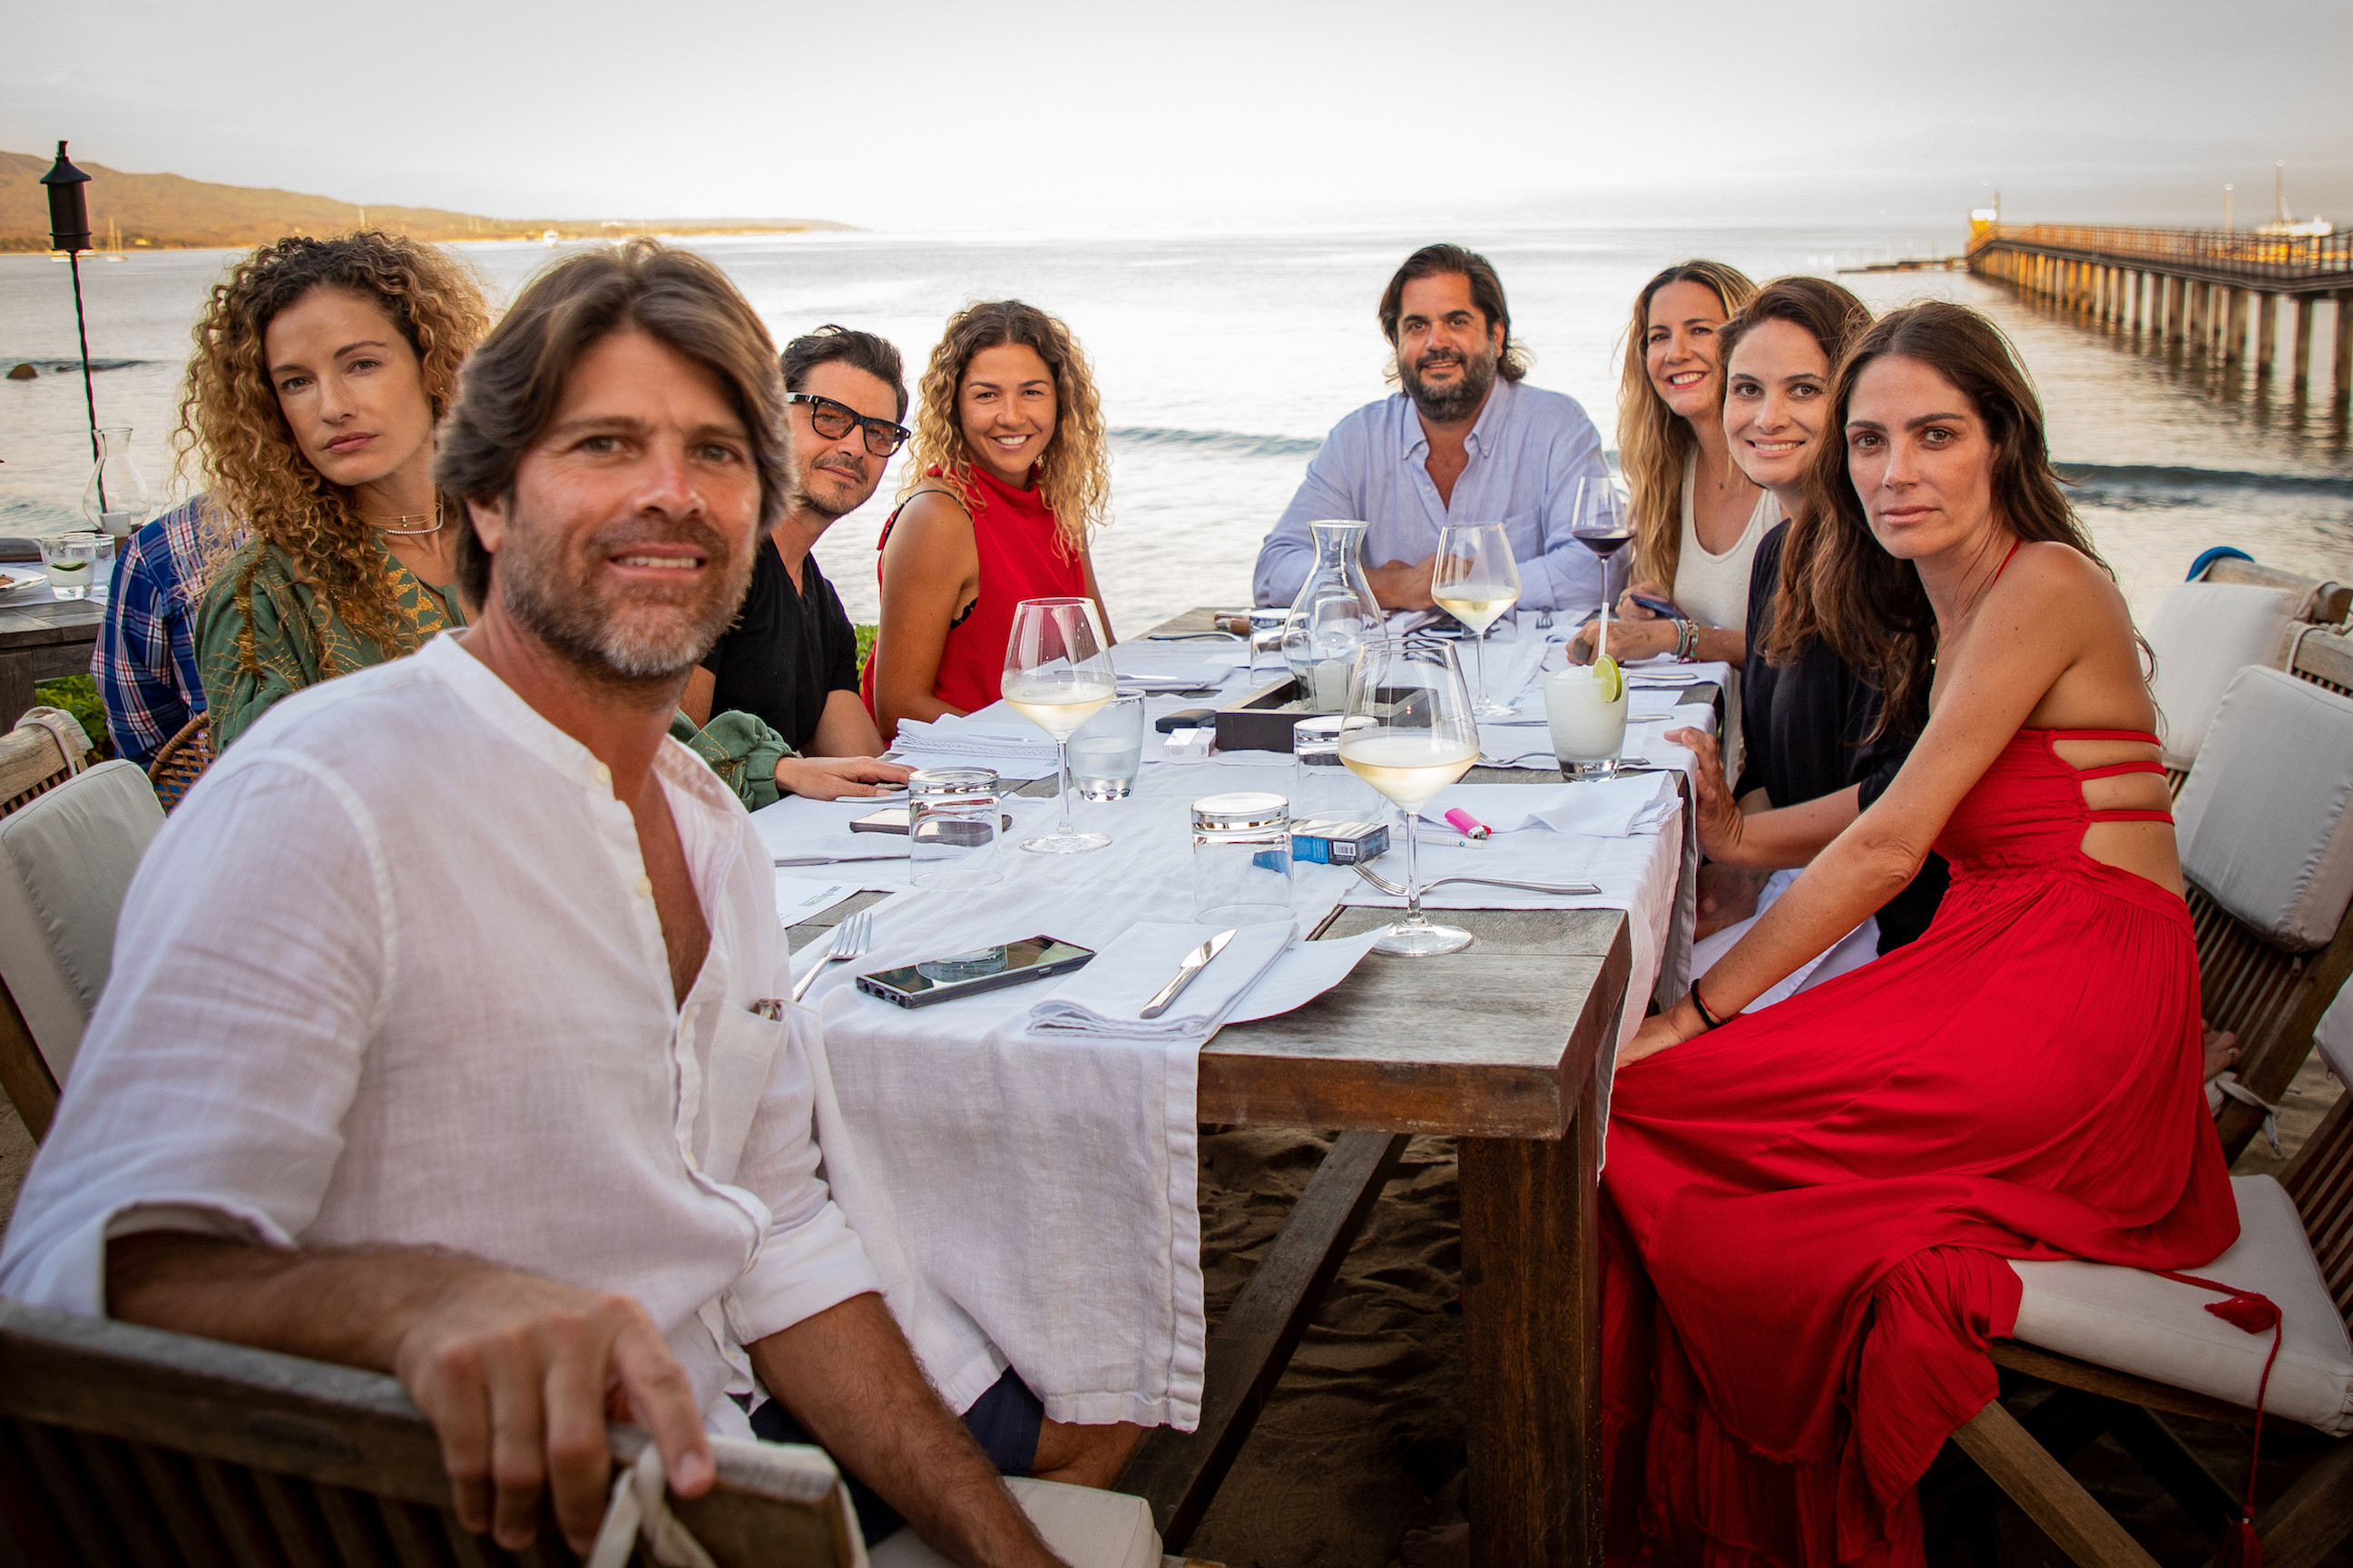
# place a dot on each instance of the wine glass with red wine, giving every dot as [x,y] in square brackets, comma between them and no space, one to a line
[1600,523]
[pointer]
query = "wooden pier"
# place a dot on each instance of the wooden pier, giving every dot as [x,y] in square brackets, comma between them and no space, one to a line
[2201,290]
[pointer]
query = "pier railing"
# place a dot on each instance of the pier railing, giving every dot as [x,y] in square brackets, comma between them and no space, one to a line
[2255,256]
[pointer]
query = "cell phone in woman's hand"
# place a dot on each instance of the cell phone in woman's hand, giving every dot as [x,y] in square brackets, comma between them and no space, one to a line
[1666,609]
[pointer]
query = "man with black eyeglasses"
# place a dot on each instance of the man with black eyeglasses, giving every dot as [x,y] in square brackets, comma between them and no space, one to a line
[791,657]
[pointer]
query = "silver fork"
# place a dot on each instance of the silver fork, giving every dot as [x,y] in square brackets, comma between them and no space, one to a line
[851,938]
[1397,890]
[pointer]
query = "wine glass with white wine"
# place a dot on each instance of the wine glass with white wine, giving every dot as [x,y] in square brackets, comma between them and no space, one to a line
[1475,580]
[1058,674]
[1421,739]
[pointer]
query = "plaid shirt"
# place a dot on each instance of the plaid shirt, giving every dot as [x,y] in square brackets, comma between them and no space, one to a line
[146,656]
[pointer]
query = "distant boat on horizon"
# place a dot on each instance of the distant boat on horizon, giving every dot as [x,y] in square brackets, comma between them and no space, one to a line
[2283,225]
[551,239]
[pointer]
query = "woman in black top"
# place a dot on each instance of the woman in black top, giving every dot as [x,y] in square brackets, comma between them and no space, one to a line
[1812,765]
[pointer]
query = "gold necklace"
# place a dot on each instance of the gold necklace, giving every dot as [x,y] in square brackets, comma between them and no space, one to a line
[395,526]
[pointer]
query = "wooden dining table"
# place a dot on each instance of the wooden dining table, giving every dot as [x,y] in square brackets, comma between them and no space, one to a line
[41,639]
[1498,1046]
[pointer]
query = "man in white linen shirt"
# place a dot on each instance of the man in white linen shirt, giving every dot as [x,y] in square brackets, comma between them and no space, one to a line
[433,1043]
[1466,440]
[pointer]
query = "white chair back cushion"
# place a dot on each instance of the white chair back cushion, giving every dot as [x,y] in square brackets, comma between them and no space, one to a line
[2334,1036]
[2263,819]
[2201,634]
[1086,1527]
[66,860]
[2132,1321]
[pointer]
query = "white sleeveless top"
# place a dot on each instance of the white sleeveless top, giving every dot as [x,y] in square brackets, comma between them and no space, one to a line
[1714,589]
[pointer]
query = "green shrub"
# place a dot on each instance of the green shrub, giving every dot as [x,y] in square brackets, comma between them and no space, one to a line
[77,695]
[865,644]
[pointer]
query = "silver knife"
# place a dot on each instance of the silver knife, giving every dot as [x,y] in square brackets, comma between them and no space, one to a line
[1194,962]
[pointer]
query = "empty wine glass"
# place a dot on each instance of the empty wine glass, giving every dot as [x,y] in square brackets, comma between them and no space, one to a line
[1599,521]
[1475,580]
[1421,739]
[1058,673]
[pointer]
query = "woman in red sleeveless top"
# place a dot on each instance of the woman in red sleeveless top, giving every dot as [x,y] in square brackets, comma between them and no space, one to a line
[1010,471]
[1807,1209]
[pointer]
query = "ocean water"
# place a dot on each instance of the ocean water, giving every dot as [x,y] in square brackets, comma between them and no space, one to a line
[1223,356]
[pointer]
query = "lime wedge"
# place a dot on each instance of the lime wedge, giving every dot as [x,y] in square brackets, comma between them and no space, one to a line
[1613,680]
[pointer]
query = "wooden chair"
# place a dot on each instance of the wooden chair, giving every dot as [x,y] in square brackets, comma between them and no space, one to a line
[2270,991]
[32,763]
[181,759]
[2202,635]
[66,861]
[127,1445]
[2023,1457]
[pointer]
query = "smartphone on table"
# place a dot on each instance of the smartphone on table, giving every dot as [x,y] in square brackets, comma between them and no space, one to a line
[969,973]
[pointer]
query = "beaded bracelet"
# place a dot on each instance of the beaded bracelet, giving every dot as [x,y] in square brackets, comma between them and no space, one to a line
[1686,640]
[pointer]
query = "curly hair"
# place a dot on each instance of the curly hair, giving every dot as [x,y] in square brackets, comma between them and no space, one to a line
[1653,440]
[230,423]
[1074,476]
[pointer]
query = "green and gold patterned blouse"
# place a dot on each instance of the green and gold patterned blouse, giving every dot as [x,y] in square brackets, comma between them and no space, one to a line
[297,640]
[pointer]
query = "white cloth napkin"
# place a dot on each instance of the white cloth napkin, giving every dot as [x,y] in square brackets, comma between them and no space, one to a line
[1103,999]
[1606,809]
[1005,745]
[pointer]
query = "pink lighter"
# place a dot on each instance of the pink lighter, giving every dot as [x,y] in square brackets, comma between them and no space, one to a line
[1467,825]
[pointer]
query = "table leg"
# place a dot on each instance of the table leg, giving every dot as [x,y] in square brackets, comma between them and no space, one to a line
[1531,1328]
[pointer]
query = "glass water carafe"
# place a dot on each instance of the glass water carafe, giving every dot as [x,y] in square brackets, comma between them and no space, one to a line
[1334,616]
[116,499]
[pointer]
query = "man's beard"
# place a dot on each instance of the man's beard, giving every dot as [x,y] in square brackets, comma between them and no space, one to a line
[824,508]
[552,586]
[1450,405]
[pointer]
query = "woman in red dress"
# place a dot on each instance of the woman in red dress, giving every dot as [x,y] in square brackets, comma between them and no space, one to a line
[1808,1209]
[1010,471]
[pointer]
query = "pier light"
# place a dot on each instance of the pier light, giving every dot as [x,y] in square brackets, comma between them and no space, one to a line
[69,205]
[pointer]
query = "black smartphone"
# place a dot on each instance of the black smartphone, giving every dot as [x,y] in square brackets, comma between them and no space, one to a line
[969,973]
[1666,609]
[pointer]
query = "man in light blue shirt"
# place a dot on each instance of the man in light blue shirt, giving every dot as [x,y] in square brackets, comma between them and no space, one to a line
[1465,441]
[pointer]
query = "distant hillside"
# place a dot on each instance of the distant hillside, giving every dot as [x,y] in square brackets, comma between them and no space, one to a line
[168,212]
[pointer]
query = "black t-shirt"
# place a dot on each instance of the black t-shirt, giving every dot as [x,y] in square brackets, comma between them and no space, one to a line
[786,652]
[1804,726]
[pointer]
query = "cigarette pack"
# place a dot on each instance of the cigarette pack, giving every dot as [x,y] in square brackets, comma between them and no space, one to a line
[1338,843]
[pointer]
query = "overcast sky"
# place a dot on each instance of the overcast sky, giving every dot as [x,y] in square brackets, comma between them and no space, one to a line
[908,114]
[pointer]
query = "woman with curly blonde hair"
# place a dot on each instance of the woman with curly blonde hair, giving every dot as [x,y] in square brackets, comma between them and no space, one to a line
[1011,472]
[322,368]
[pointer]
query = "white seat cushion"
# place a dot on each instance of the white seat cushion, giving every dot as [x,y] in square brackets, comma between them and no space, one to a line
[1086,1527]
[2202,633]
[66,860]
[2133,1321]
[2334,1036]
[2263,822]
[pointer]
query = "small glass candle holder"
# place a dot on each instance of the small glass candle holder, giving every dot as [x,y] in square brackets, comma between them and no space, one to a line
[953,827]
[1241,858]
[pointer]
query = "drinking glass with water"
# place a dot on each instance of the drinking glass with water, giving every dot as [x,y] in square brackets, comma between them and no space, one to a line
[952,827]
[1107,750]
[76,563]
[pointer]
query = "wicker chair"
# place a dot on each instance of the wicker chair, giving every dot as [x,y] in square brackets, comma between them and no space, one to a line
[181,759]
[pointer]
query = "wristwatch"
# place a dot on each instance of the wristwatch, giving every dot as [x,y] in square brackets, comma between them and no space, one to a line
[1686,640]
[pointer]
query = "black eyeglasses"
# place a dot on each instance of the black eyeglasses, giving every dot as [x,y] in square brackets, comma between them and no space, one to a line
[834,420]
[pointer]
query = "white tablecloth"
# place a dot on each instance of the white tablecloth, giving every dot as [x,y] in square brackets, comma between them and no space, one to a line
[1044,1190]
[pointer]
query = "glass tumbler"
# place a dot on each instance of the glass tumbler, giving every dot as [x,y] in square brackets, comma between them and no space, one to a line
[1241,858]
[1589,728]
[952,827]
[1323,790]
[1107,750]
[71,563]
